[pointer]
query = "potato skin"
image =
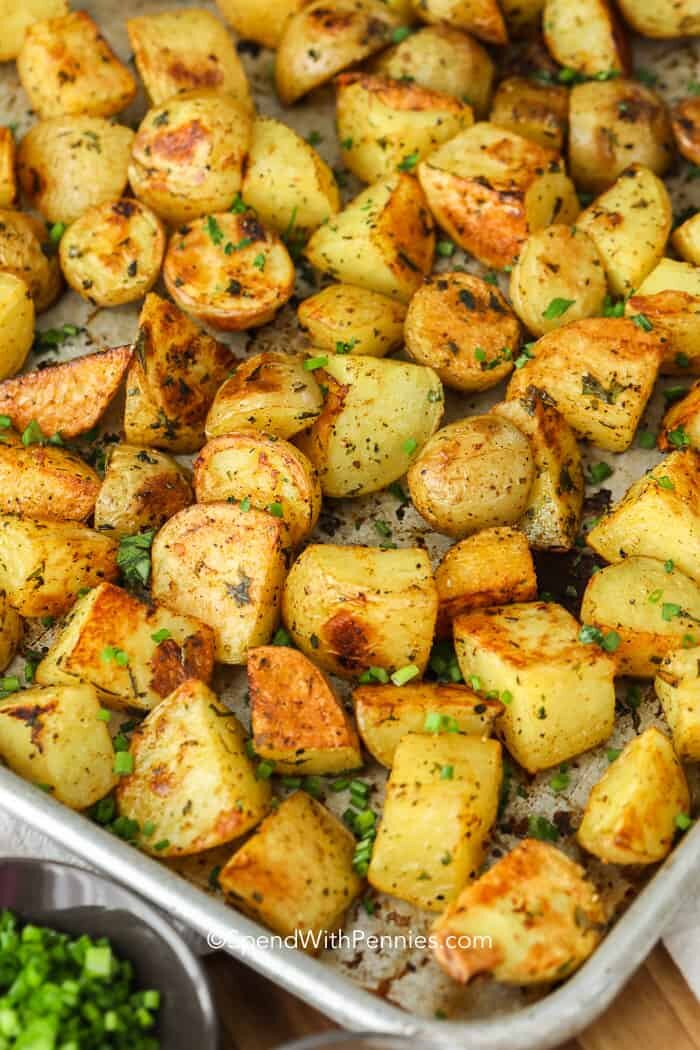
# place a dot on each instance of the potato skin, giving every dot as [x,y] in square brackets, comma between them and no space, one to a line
[682,421]
[22,238]
[686,239]
[263,21]
[662,19]
[536,111]
[8,179]
[585,36]
[16,324]
[50,483]
[142,488]
[16,19]
[345,319]
[685,120]
[482,18]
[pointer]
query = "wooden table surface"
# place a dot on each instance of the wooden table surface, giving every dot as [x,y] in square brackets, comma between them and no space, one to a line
[656,1011]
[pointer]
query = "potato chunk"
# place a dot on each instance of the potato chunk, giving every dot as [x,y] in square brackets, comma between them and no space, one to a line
[431,835]
[536,111]
[677,685]
[685,118]
[530,654]
[345,319]
[50,483]
[17,17]
[532,918]
[483,18]
[225,566]
[585,35]
[298,722]
[663,19]
[686,239]
[192,777]
[669,300]
[262,22]
[630,816]
[8,180]
[163,649]
[352,608]
[16,323]
[11,631]
[681,424]
[295,873]
[141,490]
[23,253]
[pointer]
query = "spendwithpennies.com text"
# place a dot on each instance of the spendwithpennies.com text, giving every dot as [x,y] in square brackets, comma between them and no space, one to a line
[339,941]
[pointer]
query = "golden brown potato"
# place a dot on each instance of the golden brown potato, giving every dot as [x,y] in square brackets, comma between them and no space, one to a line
[630,816]
[67,67]
[464,328]
[186,50]
[68,398]
[490,189]
[685,119]
[664,19]
[298,722]
[252,468]
[585,36]
[677,685]
[187,157]
[532,918]
[17,17]
[112,254]
[599,373]
[473,474]
[686,239]
[260,20]
[8,180]
[681,424]
[352,608]
[23,239]
[142,488]
[349,320]
[668,299]
[67,164]
[228,271]
[382,240]
[536,111]
[11,631]
[16,324]
[50,483]
[483,18]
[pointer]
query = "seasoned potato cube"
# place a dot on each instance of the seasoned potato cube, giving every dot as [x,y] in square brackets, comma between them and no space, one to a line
[669,300]
[463,328]
[686,239]
[271,391]
[67,164]
[664,19]
[295,873]
[68,398]
[630,816]
[346,319]
[376,416]
[11,631]
[630,224]
[16,323]
[67,67]
[17,17]
[263,21]
[585,35]
[352,608]
[55,738]
[387,713]
[536,111]
[659,517]
[46,482]
[298,721]
[492,567]
[599,373]
[483,18]
[186,50]
[531,656]
[681,424]
[8,181]
[677,685]
[225,566]
[141,490]
[490,188]
[162,649]
[532,918]
[22,243]
[473,474]
[685,118]
[266,471]
[192,777]
[434,823]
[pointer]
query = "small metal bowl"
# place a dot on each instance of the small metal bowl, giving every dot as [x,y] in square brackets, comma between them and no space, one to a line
[77,901]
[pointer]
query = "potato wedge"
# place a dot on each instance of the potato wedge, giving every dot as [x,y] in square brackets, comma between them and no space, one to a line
[349,320]
[585,36]
[298,722]
[16,324]
[681,424]
[68,398]
[539,112]
[23,239]
[482,18]
[530,919]
[663,19]
[8,179]
[162,650]
[192,777]
[225,566]
[599,373]
[266,472]
[352,608]
[378,414]
[531,656]
[669,300]
[16,19]
[50,483]
[685,120]
[677,685]
[686,239]
[11,631]
[263,21]
[141,490]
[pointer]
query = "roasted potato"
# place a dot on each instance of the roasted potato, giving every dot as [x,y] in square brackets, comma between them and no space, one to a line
[192,778]
[263,21]
[23,242]
[352,608]
[490,189]
[630,224]
[677,685]
[67,164]
[630,816]
[228,271]
[376,417]
[431,836]
[349,320]
[681,424]
[473,474]
[530,656]
[387,713]
[66,399]
[17,17]
[664,19]
[112,254]
[54,737]
[599,373]
[142,488]
[295,873]
[298,722]
[8,180]
[382,240]
[161,650]
[464,328]
[557,278]
[67,68]
[685,120]
[11,631]
[668,299]
[532,918]
[386,125]
[271,391]
[266,472]
[225,566]
[187,157]
[16,323]
[286,182]
[585,36]
[536,111]
[186,50]
[46,482]
[686,239]
[483,18]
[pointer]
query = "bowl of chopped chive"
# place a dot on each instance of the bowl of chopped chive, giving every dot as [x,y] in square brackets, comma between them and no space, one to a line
[86,964]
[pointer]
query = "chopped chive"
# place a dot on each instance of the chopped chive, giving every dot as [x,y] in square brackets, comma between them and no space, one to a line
[405,674]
